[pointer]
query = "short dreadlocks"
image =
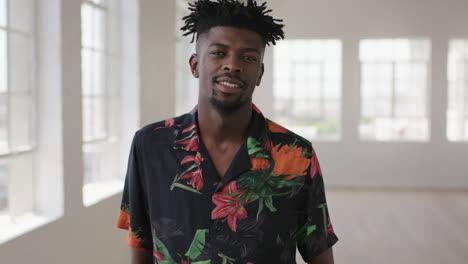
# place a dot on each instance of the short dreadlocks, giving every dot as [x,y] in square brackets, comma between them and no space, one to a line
[206,14]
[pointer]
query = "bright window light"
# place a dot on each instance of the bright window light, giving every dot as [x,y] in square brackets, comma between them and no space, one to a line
[457,72]
[100,94]
[307,87]
[17,106]
[394,87]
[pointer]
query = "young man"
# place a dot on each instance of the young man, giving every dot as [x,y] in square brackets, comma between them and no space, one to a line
[223,184]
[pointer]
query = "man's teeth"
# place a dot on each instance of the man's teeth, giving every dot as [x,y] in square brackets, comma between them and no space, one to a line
[229,84]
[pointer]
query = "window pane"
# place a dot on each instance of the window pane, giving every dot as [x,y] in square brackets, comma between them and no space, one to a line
[86,25]
[21,62]
[410,107]
[457,71]
[3,124]
[98,73]
[91,153]
[394,82]
[86,72]
[307,85]
[87,110]
[21,121]
[3,13]
[376,80]
[21,14]
[99,117]
[3,185]
[99,25]
[3,62]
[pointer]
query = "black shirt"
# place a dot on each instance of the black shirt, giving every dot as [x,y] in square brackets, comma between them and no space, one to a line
[271,198]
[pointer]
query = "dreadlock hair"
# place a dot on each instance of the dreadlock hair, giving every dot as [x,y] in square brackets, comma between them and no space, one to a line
[206,14]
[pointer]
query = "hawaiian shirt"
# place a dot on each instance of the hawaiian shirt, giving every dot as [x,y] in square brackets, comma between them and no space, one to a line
[270,200]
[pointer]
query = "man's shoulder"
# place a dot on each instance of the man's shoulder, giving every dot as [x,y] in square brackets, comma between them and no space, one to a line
[282,135]
[161,130]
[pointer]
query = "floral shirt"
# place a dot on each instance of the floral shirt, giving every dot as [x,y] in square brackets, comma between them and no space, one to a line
[270,200]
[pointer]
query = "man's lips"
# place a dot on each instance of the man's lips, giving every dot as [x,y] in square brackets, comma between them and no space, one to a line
[228,87]
[228,84]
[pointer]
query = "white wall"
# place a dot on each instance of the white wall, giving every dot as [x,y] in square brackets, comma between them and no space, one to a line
[88,235]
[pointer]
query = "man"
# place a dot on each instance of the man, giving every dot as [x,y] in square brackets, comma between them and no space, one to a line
[223,184]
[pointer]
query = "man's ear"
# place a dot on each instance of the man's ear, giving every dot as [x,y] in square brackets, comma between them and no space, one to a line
[262,70]
[194,65]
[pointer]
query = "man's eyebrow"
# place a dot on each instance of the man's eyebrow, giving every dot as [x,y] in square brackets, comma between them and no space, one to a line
[227,46]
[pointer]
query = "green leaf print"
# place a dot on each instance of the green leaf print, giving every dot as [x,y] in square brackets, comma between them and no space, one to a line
[176,184]
[161,248]
[202,262]
[198,243]
[226,259]
[305,231]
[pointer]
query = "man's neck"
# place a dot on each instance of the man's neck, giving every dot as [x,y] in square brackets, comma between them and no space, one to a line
[221,128]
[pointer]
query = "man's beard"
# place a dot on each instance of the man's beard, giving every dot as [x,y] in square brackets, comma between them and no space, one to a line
[227,107]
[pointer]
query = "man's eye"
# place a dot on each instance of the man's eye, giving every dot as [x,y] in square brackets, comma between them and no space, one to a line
[217,53]
[250,58]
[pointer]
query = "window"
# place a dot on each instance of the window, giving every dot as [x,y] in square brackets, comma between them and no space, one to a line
[457,113]
[100,97]
[17,106]
[307,87]
[394,87]
[186,84]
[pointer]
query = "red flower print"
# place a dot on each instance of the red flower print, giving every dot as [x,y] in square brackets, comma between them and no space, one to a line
[192,127]
[228,205]
[196,179]
[330,227]
[191,144]
[183,261]
[158,256]
[167,123]
[314,166]
[197,159]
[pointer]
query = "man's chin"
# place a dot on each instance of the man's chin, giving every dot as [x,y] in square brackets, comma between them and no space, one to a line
[227,107]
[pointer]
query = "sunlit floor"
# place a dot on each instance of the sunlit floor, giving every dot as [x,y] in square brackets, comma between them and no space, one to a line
[380,227]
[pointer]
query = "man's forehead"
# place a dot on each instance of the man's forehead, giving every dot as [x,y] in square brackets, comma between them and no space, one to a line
[225,36]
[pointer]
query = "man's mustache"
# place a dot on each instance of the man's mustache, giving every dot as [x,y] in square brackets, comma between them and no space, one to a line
[229,75]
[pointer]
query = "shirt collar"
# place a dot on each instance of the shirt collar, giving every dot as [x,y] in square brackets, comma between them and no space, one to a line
[257,145]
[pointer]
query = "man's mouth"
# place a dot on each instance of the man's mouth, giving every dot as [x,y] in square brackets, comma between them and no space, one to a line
[233,85]
[229,85]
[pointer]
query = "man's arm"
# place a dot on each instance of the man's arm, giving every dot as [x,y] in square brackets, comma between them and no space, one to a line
[141,256]
[324,258]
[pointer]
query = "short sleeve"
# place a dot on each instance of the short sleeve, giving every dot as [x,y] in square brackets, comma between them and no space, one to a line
[133,215]
[315,232]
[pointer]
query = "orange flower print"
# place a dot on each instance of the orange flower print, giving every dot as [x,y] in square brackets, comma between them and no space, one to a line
[289,161]
[123,221]
[275,128]
[259,163]
[133,239]
[314,166]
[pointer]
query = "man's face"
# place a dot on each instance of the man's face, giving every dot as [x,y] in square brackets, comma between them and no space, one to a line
[229,63]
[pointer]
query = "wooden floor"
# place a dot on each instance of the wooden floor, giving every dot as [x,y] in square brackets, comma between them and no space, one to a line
[388,227]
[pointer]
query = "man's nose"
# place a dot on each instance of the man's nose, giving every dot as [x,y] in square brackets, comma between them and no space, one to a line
[232,64]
